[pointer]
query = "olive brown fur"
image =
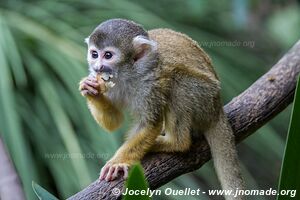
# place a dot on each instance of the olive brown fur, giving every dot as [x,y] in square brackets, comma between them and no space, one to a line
[168,85]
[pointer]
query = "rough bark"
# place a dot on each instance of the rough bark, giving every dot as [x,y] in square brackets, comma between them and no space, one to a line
[247,112]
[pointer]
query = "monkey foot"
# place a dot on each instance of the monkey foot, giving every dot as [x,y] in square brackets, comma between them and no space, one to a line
[111,171]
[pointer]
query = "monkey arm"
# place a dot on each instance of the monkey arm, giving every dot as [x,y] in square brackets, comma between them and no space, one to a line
[105,112]
[133,150]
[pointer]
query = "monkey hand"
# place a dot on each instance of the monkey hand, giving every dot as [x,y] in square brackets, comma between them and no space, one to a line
[113,168]
[91,86]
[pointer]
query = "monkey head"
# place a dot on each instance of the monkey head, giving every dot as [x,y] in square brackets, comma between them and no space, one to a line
[118,47]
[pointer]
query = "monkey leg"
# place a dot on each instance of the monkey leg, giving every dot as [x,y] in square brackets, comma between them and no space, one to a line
[178,140]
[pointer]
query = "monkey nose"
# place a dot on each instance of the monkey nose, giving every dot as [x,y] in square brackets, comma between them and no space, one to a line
[105,69]
[99,69]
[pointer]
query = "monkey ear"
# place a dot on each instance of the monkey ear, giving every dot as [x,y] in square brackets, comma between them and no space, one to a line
[143,46]
[86,40]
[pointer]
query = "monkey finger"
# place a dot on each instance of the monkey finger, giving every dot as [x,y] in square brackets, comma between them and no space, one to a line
[90,89]
[92,79]
[109,173]
[125,170]
[103,172]
[116,172]
[91,83]
[81,84]
[84,92]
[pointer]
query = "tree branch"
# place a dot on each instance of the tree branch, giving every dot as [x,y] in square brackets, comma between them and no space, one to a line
[247,112]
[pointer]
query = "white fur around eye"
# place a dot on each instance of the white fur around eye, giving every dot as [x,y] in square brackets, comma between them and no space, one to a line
[117,55]
[89,56]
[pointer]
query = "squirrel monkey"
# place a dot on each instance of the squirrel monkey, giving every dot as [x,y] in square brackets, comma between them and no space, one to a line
[167,83]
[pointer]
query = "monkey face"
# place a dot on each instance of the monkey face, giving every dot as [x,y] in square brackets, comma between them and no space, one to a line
[121,48]
[104,60]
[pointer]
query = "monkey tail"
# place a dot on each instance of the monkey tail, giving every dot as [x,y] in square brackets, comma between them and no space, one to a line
[221,141]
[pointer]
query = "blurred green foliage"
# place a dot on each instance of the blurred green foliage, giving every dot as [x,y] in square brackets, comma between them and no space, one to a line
[45,123]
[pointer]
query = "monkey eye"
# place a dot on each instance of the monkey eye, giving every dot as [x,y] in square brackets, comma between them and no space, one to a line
[107,55]
[94,54]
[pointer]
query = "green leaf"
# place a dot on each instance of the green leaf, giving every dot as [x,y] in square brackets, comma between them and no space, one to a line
[41,193]
[290,171]
[137,182]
